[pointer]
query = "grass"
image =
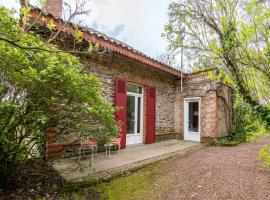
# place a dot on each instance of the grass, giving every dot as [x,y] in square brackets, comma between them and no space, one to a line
[132,187]
[80,194]
[236,139]
[138,185]
[226,142]
[79,197]
[265,155]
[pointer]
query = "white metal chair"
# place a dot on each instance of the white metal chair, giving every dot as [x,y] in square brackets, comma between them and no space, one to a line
[113,141]
[88,145]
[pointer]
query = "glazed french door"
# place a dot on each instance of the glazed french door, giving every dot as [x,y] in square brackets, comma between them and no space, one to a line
[192,119]
[134,114]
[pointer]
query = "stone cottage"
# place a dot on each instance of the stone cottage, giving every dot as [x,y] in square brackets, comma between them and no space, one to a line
[157,102]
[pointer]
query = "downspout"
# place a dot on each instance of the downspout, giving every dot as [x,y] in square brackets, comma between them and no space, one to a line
[181,84]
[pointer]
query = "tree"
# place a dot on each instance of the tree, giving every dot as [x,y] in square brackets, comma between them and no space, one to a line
[41,86]
[231,35]
[27,25]
[167,58]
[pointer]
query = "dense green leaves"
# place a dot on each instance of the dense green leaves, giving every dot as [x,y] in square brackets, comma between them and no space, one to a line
[230,35]
[41,88]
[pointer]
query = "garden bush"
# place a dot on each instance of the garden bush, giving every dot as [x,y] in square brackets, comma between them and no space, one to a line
[36,77]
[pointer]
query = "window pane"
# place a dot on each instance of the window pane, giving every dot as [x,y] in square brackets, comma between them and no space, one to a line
[193,117]
[139,116]
[130,114]
[134,88]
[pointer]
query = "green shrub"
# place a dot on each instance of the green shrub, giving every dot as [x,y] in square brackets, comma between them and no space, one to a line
[246,123]
[225,142]
[265,155]
[33,82]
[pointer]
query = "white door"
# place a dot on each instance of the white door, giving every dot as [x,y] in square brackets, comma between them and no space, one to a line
[192,119]
[134,114]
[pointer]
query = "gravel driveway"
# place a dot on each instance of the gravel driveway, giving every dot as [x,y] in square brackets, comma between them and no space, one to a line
[218,173]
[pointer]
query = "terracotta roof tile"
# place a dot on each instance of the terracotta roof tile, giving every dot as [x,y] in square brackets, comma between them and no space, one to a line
[118,46]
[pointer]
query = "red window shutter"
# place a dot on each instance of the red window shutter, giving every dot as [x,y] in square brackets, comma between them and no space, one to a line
[121,101]
[151,115]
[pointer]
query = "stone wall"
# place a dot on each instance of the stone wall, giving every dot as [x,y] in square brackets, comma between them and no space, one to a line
[225,110]
[136,73]
[213,117]
[108,69]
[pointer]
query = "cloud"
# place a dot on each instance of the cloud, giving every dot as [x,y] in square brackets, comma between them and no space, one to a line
[139,23]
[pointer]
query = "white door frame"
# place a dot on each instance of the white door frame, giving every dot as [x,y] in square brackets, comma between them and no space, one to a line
[188,135]
[137,137]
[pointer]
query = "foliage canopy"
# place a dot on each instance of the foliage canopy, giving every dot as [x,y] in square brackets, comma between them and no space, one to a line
[231,35]
[44,88]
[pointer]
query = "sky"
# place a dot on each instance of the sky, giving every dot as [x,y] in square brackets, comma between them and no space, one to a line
[139,23]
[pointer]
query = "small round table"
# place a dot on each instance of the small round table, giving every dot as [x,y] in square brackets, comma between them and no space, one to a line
[108,149]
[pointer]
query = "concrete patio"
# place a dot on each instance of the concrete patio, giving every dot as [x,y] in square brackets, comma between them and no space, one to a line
[130,159]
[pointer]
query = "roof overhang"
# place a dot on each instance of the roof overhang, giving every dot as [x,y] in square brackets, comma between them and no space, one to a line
[106,42]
